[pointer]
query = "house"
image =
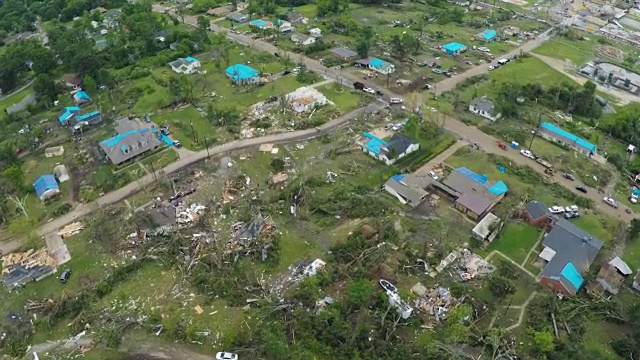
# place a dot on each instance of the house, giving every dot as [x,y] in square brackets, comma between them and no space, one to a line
[302,39]
[188,65]
[344,54]
[72,81]
[316,33]
[30,99]
[54,151]
[67,115]
[21,268]
[378,65]
[407,188]
[163,35]
[46,187]
[555,134]
[243,74]
[284,27]
[61,173]
[569,252]
[261,24]
[81,98]
[221,10]
[610,277]
[454,48]
[537,213]
[473,194]
[296,17]
[487,229]
[237,17]
[305,99]
[488,35]
[130,142]
[636,281]
[397,147]
[485,108]
[70,116]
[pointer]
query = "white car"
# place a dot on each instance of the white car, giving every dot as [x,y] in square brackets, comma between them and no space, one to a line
[556,209]
[369,90]
[527,153]
[395,101]
[223,355]
[633,199]
[433,175]
[572,208]
[610,201]
[395,128]
[490,68]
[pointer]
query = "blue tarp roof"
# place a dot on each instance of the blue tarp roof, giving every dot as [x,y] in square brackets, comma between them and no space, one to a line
[565,134]
[259,23]
[453,47]
[89,115]
[398,177]
[113,141]
[191,59]
[499,188]
[376,63]
[482,179]
[68,111]
[82,95]
[489,34]
[635,191]
[572,275]
[240,72]
[374,144]
[44,183]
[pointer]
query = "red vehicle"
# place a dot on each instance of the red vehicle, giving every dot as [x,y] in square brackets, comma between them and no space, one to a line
[501,145]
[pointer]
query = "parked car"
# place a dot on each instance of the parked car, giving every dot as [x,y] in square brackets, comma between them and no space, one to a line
[437,71]
[556,209]
[177,144]
[573,208]
[527,153]
[223,355]
[514,57]
[388,286]
[358,85]
[571,214]
[395,101]
[426,87]
[569,176]
[581,188]
[610,201]
[422,64]
[369,90]
[64,277]
[433,175]
[491,68]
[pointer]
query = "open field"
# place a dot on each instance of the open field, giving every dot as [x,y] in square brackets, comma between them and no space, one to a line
[515,241]
[14,98]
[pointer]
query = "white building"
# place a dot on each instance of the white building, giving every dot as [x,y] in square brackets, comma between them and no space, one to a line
[302,39]
[315,32]
[305,99]
[61,173]
[397,147]
[488,228]
[485,108]
[188,65]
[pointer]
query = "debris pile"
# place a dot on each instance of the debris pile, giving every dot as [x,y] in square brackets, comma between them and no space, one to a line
[473,265]
[233,187]
[21,268]
[71,229]
[188,214]
[436,302]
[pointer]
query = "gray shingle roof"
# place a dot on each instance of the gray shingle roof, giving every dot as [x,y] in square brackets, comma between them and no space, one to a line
[473,195]
[537,209]
[484,104]
[412,194]
[398,144]
[344,53]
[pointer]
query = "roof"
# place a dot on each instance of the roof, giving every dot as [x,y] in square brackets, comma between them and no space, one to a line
[572,275]
[54,149]
[569,136]
[236,16]
[454,47]
[44,183]
[375,144]
[221,10]
[73,79]
[475,191]
[299,37]
[489,34]
[240,72]
[89,116]
[67,112]
[483,228]
[60,170]
[413,195]
[537,209]
[620,265]
[344,52]
[398,144]
[484,104]
[182,61]
[379,64]
[572,245]
[81,96]
[294,16]
[261,23]
[130,144]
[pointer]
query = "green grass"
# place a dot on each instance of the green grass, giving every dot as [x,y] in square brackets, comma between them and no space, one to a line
[344,98]
[632,254]
[601,226]
[14,98]
[186,125]
[578,52]
[598,336]
[515,241]
[160,159]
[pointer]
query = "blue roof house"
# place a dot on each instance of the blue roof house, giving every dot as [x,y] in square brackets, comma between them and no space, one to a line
[243,74]
[46,187]
[453,48]
[397,147]
[557,135]
[380,66]
[81,98]
[68,114]
[488,35]
[261,24]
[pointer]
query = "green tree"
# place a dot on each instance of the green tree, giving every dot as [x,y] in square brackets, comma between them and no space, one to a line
[45,88]
[542,341]
[277,165]
[359,293]
[455,330]
[89,84]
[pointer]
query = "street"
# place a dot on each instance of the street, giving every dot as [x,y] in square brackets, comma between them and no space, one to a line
[463,131]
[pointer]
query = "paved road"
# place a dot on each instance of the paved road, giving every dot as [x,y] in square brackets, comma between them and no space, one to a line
[132,188]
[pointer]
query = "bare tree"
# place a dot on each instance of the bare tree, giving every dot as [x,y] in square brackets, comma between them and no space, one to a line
[20,203]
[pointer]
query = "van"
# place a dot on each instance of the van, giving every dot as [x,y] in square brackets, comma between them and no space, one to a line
[64,277]
[503,61]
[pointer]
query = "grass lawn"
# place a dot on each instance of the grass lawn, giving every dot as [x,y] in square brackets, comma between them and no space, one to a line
[578,52]
[632,254]
[343,97]
[515,241]
[186,125]
[598,336]
[161,159]
[601,226]
[14,98]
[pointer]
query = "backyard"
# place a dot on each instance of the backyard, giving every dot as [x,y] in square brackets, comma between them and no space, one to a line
[516,240]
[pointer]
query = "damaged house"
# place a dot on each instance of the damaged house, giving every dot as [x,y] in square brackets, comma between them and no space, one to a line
[610,277]
[21,268]
[244,234]
[407,188]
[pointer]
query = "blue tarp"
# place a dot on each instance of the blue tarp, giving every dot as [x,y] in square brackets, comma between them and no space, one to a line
[572,275]
[82,95]
[68,111]
[482,179]
[489,35]
[569,136]
[241,72]
[44,183]
[374,144]
[453,47]
[398,177]
[376,63]
[89,115]
[191,59]
[163,137]
[499,188]
[113,141]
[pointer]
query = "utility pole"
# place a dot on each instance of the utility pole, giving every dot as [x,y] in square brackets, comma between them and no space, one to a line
[535,132]
[206,143]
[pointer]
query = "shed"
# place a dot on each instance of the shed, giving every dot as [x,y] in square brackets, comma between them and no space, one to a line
[46,187]
[454,48]
[488,35]
[54,151]
[61,173]
[537,213]
[487,229]
[344,53]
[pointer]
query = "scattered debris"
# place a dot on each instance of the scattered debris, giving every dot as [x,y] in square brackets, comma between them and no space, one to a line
[71,229]
[21,268]
[187,215]
[198,309]
[331,177]
[265,148]
[314,267]
[437,302]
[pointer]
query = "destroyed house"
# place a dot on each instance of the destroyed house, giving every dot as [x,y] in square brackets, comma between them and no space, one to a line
[21,268]
[610,277]
[247,233]
[569,252]
[407,189]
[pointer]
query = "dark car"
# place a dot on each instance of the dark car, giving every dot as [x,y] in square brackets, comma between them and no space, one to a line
[64,277]
[581,189]
[286,72]
[569,176]
[378,92]
[358,85]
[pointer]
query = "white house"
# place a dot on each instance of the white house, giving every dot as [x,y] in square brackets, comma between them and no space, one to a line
[188,65]
[315,32]
[285,27]
[488,228]
[61,173]
[389,151]
[302,39]
[305,99]
[485,108]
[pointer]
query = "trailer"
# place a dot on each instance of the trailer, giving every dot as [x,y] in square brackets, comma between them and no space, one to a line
[548,167]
